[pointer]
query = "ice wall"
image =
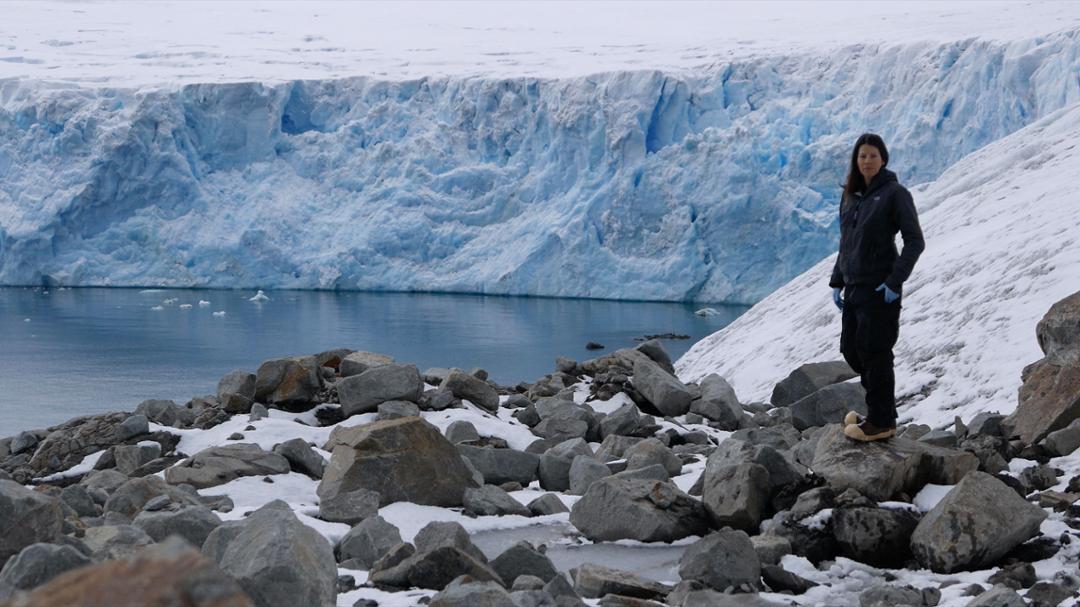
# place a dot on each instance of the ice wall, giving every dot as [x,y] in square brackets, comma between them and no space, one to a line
[718,186]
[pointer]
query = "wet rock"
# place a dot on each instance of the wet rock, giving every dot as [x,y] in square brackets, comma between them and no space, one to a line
[648,511]
[404,459]
[219,465]
[363,393]
[720,560]
[974,525]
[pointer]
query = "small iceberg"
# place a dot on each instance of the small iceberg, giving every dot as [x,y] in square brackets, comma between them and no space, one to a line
[203,303]
[157,308]
[185,306]
[708,312]
[260,296]
[219,314]
[26,320]
[169,302]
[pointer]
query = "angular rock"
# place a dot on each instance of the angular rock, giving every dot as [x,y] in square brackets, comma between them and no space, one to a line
[166,413]
[584,471]
[561,428]
[79,500]
[770,548]
[1049,400]
[490,500]
[780,580]
[434,569]
[193,523]
[133,426]
[662,389]
[301,457]
[26,517]
[555,463]
[358,362]
[395,409]
[809,378]
[998,596]
[718,403]
[500,466]
[736,495]
[464,591]
[37,564]
[548,503]
[885,595]
[369,541]
[130,458]
[288,382]
[67,444]
[219,465]
[461,431]
[974,525]
[882,469]
[276,559]
[593,581]
[350,507]
[363,393]
[1063,441]
[471,388]
[648,511]
[522,559]
[614,447]
[876,536]
[828,405]
[621,422]
[236,391]
[651,451]
[129,498]
[23,442]
[405,459]
[164,575]
[1058,332]
[722,559]
[438,534]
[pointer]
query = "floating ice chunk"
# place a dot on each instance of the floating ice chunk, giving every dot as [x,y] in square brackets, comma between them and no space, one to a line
[170,301]
[185,306]
[260,296]
[26,320]
[203,303]
[157,308]
[708,312]
[219,313]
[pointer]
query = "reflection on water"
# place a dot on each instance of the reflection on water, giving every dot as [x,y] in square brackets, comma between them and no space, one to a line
[79,351]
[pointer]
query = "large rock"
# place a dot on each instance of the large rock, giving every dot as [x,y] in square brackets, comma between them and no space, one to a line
[490,500]
[1065,440]
[808,379]
[1049,400]
[290,383]
[584,471]
[875,536]
[593,581]
[301,457]
[644,510]
[166,413]
[278,561]
[368,542]
[193,523]
[73,440]
[111,542]
[1059,332]
[349,507]
[438,534]
[651,451]
[219,465]
[882,469]
[736,495]
[828,405]
[722,559]
[130,458]
[129,498]
[555,464]
[26,517]
[718,402]
[464,591]
[475,390]
[364,393]
[500,466]
[669,395]
[523,559]
[164,575]
[974,525]
[236,391]
[405,459]
[37,564]
[434,569]
[356,363]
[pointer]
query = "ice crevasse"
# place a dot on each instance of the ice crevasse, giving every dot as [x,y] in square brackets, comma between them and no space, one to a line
[714,185]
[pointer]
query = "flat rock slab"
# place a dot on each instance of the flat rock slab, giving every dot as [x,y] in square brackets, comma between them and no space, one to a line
[593,581]
[879,470]
[219,465]
[364,393]
[646,510]
[810,378]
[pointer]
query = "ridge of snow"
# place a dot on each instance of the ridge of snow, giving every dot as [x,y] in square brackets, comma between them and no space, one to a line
[1002,229]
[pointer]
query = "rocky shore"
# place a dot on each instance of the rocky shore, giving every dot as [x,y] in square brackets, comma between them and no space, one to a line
[349,478]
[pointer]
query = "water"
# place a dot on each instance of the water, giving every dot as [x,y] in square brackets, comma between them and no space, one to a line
[71,352]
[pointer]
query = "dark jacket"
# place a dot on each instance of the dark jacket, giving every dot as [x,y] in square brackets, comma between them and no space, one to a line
[869,222]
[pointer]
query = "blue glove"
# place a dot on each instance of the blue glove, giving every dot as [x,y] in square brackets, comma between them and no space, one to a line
[836,299]
[890,295]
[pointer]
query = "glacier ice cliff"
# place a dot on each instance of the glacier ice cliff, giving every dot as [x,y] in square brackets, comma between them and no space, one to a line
[712,186]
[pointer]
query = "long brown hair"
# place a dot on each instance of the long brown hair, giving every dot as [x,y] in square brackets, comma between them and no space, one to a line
[855,181]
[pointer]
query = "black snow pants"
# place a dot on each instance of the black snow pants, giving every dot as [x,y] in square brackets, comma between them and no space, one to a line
[869,332]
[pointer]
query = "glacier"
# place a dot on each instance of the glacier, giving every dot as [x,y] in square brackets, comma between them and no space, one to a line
[712,185]
[1002,230]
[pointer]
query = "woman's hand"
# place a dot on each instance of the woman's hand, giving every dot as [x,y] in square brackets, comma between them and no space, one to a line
[890,295]
[837,300]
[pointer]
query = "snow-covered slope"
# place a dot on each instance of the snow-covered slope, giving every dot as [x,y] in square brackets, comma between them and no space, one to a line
[715,186]
[1002,231]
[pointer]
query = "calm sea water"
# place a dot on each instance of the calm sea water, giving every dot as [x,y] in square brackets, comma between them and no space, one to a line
[71,352]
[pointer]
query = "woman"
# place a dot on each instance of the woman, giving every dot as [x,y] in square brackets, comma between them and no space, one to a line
[868,279]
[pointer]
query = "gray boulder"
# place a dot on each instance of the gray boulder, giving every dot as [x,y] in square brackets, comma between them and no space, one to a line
[135,425]
[166,413]
[349,507]
[882,469]
[130,458]
[358,362]
[193,523]
[288,382]
[998,596]
[219,465]
[593,581]
[301,457]
[464,591]
[490,500]
[439,534]
[1058,332]
[23,442]
[770,548]
[469,387]
[974,525]
[561,428]
[808,379]
[621,422]
[651,451]
[111,542]
[885,595]
[500,466]
[394,409]
[828,405]
[278,561]
[67,444]
[662,389]
[368,542]
[875,536]
[461,431]
[722,559]
[405,459]
[1049,397]
[548,503]
[555,463]
[736,495]
[363,393]
[236,391]
[128,499]
[614,447]
[36,564]
[648,511]
[522,559]
[654,349]
[584,471]
[79,499]
[434,569]
[26,517]
[1063,441]
[718,403]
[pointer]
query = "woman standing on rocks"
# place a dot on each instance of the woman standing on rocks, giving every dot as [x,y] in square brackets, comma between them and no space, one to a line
[868,278]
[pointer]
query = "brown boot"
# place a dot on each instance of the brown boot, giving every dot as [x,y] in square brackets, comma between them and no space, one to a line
[852,418]
[867,432]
